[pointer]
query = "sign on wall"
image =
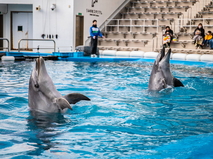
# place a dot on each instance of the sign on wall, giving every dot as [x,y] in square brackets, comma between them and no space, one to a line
[93,2]
[93,12]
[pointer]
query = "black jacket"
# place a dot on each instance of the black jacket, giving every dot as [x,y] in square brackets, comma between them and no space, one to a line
[201,30]
[170,32]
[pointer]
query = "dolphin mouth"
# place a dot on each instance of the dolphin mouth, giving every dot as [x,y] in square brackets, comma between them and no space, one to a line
[38,64]
[164,57]
[162,54]
[167,56]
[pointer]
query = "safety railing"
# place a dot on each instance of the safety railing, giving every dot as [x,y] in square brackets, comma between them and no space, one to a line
[126,2]
[8,44]
[131,23]
[65,49]
[191,23]
[37,40]
[115,12]
[195,9]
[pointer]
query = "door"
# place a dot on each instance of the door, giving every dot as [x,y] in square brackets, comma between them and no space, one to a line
[79,35]
[22,28]
[1,32]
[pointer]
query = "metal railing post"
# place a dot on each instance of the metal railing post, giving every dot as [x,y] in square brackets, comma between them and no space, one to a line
[153,41]
[118,25]
[157,25]
[105,26]
[144,25]
[191,13]
[8,42]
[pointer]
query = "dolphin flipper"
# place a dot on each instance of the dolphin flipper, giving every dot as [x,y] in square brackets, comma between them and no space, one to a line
[73,98]
[63,103]
[177,82]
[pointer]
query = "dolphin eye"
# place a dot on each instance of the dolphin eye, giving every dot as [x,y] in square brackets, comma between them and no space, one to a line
[36,86]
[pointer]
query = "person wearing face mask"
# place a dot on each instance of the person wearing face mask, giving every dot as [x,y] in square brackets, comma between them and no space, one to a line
[199,34]
[198,39]
[94,33]
[168,29]
[201,29]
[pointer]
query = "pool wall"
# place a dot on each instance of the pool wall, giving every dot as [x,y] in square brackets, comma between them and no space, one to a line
[105,55]
[175,56]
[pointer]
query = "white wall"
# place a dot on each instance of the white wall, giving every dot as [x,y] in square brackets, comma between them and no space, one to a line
[3,8]
[45,21]
[7,17]
[59,21]
[107,7]
[16,1]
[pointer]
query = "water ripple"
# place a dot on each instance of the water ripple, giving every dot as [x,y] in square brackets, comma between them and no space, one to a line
[123,119]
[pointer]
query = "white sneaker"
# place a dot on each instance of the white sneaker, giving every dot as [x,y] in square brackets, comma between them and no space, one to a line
[93,55]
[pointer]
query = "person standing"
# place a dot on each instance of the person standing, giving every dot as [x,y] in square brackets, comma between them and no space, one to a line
[94,33]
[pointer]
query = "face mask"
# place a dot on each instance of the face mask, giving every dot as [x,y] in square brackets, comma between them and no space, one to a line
[95,26]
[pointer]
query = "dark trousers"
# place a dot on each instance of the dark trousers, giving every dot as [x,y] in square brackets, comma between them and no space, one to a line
[166,45]
[94,43]
[205,42]
[211,43]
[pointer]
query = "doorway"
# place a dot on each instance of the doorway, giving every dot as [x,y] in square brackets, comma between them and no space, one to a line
[1,32]
[21,28]
[79,34]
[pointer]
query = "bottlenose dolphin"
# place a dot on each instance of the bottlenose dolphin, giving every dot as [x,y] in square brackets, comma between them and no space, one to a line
[42,93]
[161,76]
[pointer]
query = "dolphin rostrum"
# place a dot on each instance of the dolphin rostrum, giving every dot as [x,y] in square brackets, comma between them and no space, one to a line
[42,93]
[161,76]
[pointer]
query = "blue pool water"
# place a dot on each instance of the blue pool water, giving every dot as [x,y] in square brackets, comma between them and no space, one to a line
[122,120]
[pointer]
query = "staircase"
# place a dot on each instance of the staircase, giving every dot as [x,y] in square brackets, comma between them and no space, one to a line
[140,24]
[187,26]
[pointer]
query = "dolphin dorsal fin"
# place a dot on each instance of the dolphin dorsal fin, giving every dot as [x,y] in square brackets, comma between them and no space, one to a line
[63,103]
[177,82]
[73,98]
